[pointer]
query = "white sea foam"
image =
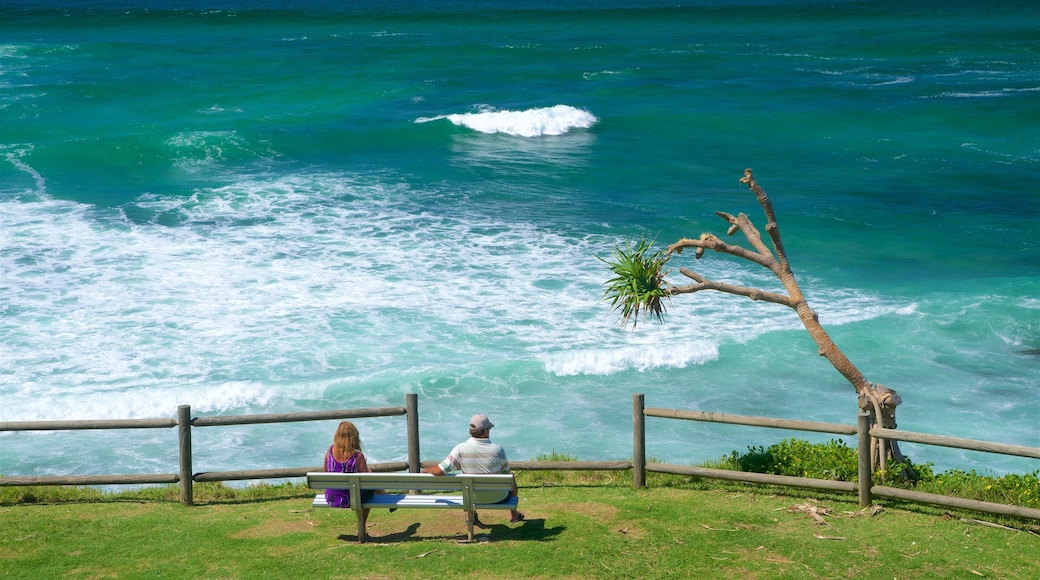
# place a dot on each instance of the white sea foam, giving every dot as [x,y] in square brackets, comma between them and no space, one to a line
[271,282]
[15,155]
[899,80]
[591,75]
[528,123]
[198,150]
[126,400]
[642,357]
[340,291]
[1031,303]
[971,94]
[11,51]
[1002,157]
[907,310]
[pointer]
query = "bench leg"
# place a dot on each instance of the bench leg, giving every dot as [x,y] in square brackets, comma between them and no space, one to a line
[360,525]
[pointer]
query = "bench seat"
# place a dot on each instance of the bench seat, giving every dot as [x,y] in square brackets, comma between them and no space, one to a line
[422,501]
[461,491]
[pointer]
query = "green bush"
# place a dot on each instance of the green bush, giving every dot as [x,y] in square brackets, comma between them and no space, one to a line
[837,461]
[833,460]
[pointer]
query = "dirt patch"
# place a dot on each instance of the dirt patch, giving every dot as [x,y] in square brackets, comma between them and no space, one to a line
[606,515]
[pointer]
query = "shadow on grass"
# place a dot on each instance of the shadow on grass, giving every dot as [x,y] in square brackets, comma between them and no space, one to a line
[529,530]
[404,536]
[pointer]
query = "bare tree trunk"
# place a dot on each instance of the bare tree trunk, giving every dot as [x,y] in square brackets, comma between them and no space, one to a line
[877,400]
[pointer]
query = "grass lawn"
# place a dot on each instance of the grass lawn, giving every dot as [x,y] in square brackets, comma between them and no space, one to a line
[675,528]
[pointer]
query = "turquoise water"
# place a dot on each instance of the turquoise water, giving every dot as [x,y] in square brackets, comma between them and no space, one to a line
[286,206]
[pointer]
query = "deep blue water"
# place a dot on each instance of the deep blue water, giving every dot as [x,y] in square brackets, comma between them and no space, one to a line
[254,207]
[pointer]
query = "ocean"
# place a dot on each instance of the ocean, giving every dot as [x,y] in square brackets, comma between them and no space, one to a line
[274,206]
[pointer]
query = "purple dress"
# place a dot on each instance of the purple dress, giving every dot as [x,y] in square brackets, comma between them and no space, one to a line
[340,497]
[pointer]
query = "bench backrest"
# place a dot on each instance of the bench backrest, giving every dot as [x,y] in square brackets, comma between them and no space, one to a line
[408,481]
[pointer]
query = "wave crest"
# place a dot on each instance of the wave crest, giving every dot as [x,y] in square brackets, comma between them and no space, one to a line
[609,361]
[530,123]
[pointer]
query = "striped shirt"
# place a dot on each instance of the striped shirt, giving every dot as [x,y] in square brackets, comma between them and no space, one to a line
[476,456]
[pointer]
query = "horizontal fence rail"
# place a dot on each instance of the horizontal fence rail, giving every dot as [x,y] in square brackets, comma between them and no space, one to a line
[293,417]
[763,478]
[73,425]
[864,486]
[955,502]
[836,428]
[287,472]
[570,465]
[941,441]
[89,479]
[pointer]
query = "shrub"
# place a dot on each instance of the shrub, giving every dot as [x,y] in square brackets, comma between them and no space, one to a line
[833,460]
[836,461]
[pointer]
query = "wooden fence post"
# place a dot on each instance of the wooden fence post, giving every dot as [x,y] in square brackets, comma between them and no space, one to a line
[411,406]
[863,453]
[184,433]
[638,442]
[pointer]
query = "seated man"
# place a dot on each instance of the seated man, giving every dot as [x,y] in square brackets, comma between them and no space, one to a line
[479,455]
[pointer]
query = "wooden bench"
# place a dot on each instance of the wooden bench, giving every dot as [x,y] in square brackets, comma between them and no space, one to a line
[466,490]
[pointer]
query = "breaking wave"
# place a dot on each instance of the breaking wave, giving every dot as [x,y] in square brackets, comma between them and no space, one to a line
[530,123]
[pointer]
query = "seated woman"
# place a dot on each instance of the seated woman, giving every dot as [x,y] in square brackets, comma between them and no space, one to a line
[345,456]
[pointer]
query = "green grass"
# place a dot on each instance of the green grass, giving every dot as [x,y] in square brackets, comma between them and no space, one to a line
[579,525]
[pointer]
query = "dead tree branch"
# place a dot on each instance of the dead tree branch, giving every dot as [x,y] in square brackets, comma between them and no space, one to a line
[876,399]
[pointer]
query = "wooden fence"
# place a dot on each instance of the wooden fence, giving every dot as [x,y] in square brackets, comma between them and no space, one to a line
[184,423]
[639,466]
[864,486]
[186,476]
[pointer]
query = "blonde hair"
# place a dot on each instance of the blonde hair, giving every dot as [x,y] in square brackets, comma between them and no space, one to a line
[346,441]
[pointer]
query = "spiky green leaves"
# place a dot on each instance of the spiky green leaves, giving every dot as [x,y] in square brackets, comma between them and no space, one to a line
[638,283]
